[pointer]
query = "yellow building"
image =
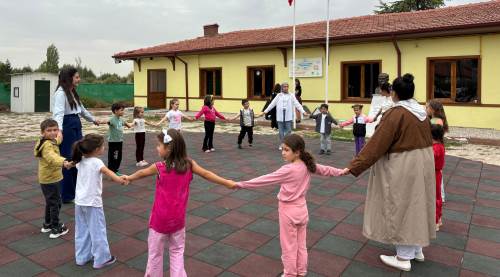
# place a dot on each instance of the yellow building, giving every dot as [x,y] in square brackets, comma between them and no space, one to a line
[453,52]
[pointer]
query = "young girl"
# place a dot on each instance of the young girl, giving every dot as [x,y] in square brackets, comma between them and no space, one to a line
[359,121]
[439,152]
[385,90]
[174,116]
[208,110]
[91,241]
[435,111]
[167,220]
[140,135]
[294,179]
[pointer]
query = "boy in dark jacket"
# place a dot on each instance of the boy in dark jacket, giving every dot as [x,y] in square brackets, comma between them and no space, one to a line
[324,121]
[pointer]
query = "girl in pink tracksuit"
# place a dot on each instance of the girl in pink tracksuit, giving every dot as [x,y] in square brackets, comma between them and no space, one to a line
[294,178]
[168,215]
[210,113]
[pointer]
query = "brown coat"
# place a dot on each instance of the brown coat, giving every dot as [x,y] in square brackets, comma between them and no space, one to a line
[400,202]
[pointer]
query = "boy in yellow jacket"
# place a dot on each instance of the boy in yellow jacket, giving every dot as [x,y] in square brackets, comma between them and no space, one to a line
[50,165]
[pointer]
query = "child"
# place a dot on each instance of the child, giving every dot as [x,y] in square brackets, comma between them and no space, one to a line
[439,152]
[435,111]
[140,135]
[167,220]
[174,116]
[50,165]
[385,90]
[247,117]
[91,241]
[359,127]
[324,121]
[294,179]
[208,110]
[115,137]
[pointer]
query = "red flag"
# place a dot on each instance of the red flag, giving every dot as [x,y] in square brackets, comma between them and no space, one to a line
[290,2]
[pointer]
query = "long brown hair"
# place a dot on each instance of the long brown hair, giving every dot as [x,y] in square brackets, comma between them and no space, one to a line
[177,158]
[172,102]
[438,111]
[88,144]
[297,144]
[66,82]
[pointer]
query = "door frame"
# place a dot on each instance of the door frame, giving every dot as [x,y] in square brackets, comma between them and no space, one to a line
[164,105]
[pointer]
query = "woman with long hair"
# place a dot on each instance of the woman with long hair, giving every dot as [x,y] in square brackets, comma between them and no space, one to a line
[66,111]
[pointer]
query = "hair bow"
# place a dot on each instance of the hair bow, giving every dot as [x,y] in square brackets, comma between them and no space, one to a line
[166,138]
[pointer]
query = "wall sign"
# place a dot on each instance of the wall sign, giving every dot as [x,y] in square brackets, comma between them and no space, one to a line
[307,67]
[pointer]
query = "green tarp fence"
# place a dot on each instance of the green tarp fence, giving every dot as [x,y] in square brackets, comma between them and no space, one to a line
[107,93]
[4,94]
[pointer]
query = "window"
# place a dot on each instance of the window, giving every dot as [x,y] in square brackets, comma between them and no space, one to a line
[359,79]
[211,81]
[16,92]
[157,80]
[260,81]
[454,79]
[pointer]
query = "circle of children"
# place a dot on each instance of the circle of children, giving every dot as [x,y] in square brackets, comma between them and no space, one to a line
[175,170]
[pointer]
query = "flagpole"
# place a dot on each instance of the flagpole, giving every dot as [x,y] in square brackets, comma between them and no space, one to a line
[293,64]
[327,48]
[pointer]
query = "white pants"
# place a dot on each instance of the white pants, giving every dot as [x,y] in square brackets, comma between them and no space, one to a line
[408,252]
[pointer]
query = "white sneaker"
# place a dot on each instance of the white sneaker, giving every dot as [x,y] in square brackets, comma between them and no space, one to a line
[138,164]
[212,150]
[279,148]
[144,163]
[419,257]
[394,262]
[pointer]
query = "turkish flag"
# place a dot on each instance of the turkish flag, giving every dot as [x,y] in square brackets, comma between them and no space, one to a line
[290,2]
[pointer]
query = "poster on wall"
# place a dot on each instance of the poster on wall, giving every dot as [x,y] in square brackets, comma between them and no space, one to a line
[307,67]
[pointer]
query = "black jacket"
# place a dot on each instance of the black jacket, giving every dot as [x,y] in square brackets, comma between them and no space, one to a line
[328,122]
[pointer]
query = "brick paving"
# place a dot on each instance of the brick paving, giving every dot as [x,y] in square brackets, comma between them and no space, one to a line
[235,233]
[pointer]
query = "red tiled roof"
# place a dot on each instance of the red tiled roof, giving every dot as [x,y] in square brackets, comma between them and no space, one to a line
[485,14]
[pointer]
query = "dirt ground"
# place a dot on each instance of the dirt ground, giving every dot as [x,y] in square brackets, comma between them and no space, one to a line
[25,127]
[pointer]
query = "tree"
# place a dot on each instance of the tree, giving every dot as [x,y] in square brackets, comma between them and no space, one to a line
[407,6]
[130,77]
[52,62]
[5,71]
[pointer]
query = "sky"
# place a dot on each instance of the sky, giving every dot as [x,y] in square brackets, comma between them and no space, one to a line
[94,30]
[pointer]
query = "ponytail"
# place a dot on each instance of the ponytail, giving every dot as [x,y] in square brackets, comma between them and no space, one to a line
[87,145]
[296,143]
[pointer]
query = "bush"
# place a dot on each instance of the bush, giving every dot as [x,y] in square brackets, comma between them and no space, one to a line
[96,103]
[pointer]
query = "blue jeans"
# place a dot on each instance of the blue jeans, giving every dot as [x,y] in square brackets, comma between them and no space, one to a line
[91,240]
[72,132]
[284,129]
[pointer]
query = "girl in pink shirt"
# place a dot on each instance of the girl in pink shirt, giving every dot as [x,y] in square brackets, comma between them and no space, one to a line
[294,178]
[208,110]
[167,219]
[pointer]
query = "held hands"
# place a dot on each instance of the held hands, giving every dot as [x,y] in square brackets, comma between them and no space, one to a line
[68,164]
[345,171]
[125,180]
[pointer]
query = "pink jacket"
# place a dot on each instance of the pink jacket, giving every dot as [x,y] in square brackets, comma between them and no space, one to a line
[294,179]
[209,113]
[363,119]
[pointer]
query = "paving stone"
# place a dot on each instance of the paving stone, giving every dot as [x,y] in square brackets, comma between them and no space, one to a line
[338,246]
[34,244]
[487,211]
[343,204]
[205,196]
[7,221]
[228,274]
[117,201]
[356,269]
[71,269]
[255,209]
[113,215]
[21,267]
[484,233]
[450,240]
[272,249]
[209,211]
[264,226]
[248,195]
[17,206]
[457,216]
[267,266]
[483,264]
[140,262]
[326,264]
[221,255]
[321,225]
[488,195]
[214,230]
[429,268]
[355,219]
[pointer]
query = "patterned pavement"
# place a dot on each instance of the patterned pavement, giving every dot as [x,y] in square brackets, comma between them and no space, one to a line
[235,233]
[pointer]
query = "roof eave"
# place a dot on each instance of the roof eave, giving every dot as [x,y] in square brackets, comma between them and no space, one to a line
[407,34]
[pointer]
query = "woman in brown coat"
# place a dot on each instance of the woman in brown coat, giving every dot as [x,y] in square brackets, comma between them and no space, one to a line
[400,202]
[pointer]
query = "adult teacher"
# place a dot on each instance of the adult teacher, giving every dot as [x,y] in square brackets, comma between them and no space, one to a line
[400,202]
[285,104]
[66,111]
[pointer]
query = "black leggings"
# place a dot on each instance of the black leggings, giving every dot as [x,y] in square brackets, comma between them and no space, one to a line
[52,196]
[140,140]
[243,131]
[208,141]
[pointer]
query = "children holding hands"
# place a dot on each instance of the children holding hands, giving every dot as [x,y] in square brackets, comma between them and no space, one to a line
[210,113]
[174,116]
[246,117]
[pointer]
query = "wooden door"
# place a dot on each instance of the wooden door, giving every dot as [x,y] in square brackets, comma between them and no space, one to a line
[157,88]
[42,96]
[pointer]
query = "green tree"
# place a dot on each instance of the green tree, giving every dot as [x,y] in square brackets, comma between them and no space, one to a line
[52,62]
[5,71]
[407,6]
[130,77]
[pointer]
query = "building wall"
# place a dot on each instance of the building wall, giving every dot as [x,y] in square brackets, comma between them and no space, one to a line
[414,54]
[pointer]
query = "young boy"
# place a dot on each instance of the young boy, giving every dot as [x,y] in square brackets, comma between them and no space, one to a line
[359,128]
[115,137]
[247,117]
[50,165]
[324,121]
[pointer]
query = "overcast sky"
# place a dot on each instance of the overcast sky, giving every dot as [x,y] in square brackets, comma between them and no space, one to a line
[96,29]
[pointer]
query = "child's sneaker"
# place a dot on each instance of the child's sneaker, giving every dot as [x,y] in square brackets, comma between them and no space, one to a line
[108,263]
[207,151]
[118,174]
[144,163]
[250,145]
[328,152]
[45,228]
[212,150]
[321,152]
[61,230]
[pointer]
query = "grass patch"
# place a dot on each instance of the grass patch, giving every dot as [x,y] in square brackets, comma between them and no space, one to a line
[342,135]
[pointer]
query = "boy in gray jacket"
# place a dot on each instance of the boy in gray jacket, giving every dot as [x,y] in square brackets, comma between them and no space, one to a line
[324,121]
